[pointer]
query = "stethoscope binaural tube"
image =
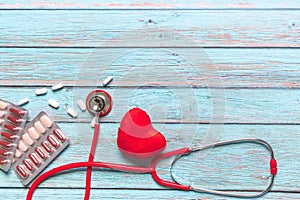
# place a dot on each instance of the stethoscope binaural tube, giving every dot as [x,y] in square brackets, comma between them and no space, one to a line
[273,167]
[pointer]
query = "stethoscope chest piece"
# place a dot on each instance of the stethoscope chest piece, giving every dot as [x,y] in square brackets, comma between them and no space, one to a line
[99,102]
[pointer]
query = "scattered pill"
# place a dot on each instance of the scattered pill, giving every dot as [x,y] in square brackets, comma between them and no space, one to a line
[23,101]
[22,171]
[23,147]
[72,112]
[107,80]
[18,153]
[41,91]
[3,105]
[53,104]
[46,121]
[81,105]
[57,87]
[27,139]
[39,127]
[33,133]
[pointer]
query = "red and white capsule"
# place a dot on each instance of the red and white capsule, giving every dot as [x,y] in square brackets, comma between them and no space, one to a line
[21,171]
[47,147]
[7,135]
[5,144]
[59,135]
[17,112]
[28,164]
[40,153]
[53,141]
[14,120]
[12,128]
[33,157]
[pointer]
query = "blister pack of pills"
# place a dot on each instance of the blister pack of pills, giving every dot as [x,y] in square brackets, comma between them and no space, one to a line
[12,122]
[41,142]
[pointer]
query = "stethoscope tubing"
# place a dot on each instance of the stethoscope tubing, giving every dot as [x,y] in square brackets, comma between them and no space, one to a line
[273,164]
[152,169]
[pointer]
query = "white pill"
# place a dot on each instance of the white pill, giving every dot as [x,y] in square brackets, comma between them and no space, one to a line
[27,139]
[33,133]
[93,122]
[72,112]
[81,105]
[107,80]
[39,127]
[53,103]
[57,87]
[23,101]
[23,147]
[46,121]
[3,105]
[41,91]
[18,153]
[2,113]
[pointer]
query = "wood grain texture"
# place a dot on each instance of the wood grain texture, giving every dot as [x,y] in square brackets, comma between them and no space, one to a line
[251,68]
[149,4]
[243,167]
[128,28]
[175,105]
[254,46]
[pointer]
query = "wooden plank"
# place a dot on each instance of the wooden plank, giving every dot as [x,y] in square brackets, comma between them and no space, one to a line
[175,105]
[125,194]
[244,166]
[153,4]
[150,28]
[251,68]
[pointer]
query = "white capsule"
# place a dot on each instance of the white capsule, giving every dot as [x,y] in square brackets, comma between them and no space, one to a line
[27,139]
[18,153]
[2,113]
[3,105]
[39,127]
[46,121]
[23,147]
[33,133]
[93,122]
[107,80]
[57,87]
[53,104]
[41,91]
[72,112]
[23,101]
[81,105]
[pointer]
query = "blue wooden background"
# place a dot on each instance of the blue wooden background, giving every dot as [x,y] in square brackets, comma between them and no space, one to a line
[254,44]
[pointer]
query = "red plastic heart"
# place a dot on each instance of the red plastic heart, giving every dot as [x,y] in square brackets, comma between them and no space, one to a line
[137,137]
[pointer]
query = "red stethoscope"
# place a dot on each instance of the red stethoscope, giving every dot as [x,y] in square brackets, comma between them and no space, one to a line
[99,103]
